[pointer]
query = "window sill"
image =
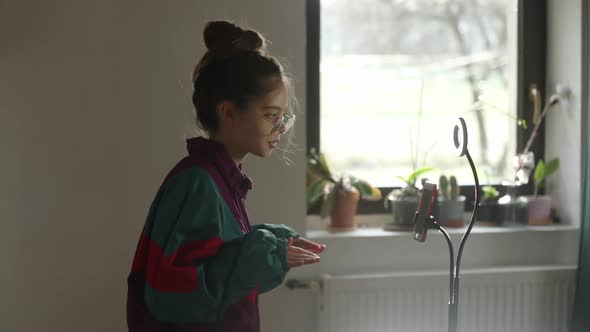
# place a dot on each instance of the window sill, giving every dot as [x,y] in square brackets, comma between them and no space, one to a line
[370,248]
[372,226]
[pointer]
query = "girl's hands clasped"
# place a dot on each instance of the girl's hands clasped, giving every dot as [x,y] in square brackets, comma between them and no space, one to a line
[301,252]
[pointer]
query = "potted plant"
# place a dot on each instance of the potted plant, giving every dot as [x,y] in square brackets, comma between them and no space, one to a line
[450,205]
[404,201]
[513,208]
[487,212]
[539,206]
[339,196]
[525,161]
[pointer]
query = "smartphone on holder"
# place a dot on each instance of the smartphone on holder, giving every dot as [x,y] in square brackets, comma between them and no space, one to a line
[424,212]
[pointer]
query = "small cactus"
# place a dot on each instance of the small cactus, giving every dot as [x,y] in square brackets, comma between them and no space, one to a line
[443,186]
[448,187]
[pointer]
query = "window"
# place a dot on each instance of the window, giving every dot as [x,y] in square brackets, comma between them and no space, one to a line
[388,78]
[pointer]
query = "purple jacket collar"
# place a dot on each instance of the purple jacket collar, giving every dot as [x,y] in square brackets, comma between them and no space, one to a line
[215,152]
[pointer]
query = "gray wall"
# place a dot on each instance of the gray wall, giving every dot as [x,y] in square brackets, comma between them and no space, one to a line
[92,116]
[94,109]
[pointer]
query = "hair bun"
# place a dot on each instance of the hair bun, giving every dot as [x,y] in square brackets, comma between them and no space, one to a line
[250,40]
[224,39]
[225,36]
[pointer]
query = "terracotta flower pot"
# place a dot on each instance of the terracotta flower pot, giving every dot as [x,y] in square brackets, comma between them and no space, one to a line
[344,210]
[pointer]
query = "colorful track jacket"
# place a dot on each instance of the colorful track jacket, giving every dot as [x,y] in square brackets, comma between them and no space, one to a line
[200,265]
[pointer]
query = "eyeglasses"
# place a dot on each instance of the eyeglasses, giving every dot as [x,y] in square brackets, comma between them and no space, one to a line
[281,123]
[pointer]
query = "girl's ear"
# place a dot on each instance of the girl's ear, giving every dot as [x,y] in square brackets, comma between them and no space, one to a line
[225,112]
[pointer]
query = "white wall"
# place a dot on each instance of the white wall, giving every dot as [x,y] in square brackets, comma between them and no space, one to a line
[92,116]
[563,124]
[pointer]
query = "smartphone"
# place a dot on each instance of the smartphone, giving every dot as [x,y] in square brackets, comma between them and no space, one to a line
[424,212]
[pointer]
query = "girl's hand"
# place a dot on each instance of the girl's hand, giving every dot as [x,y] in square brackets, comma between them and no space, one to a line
[297,256]
[309,245]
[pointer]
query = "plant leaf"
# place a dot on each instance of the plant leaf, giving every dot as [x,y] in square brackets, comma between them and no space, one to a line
[311,176]
[414,176]
[551,166]
[314,171]
[358,184]
[317,165]
[367,191]
[403,179]
[539,174]
[315,191]
[489,192]
[326,208]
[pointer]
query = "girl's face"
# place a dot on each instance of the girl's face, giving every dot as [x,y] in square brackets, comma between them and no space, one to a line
[253,132]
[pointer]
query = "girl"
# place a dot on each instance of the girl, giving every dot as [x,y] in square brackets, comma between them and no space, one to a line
[199,264]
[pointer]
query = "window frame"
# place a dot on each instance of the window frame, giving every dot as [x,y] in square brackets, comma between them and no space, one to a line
[531,68]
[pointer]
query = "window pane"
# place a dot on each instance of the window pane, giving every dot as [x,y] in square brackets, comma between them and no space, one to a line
[395,75]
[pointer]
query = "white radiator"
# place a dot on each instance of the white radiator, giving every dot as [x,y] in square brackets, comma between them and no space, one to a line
[534,299]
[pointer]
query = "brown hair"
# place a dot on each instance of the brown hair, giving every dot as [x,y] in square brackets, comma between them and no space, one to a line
[235,68]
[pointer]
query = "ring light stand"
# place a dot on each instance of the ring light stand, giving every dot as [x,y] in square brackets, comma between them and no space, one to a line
[423,220]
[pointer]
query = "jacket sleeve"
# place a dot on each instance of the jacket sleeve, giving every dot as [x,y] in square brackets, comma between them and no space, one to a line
[279,230]
[199,262]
